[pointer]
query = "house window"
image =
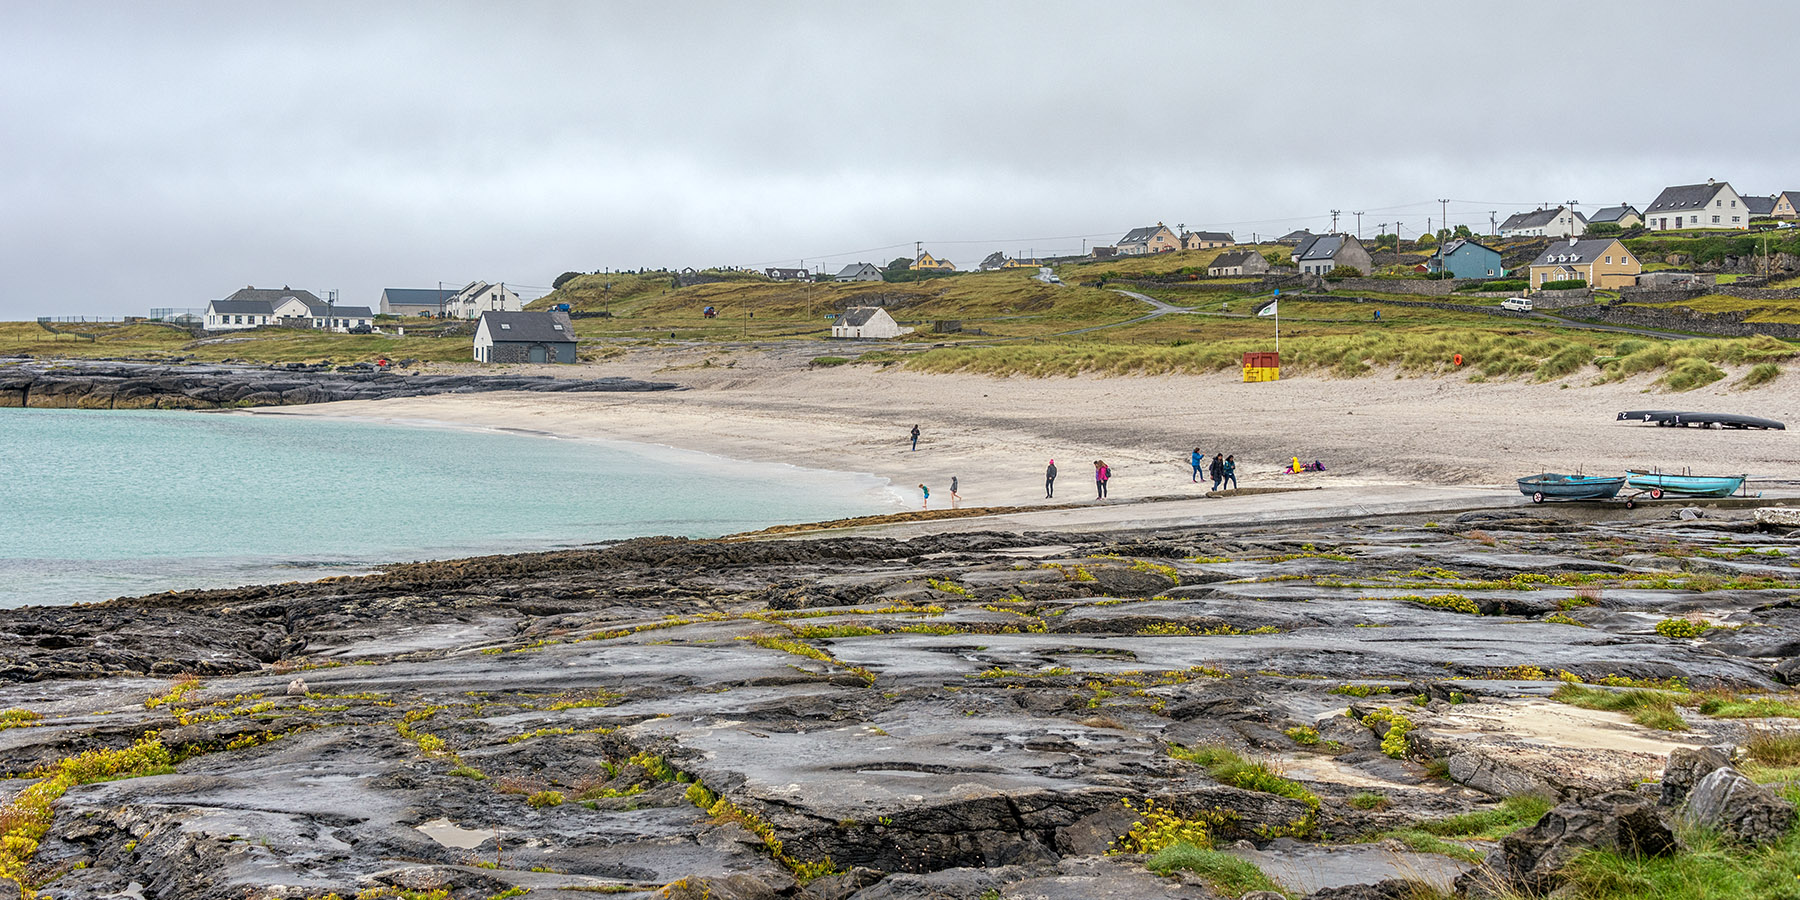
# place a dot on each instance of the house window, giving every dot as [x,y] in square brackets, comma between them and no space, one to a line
[1715,220]
[1734,218]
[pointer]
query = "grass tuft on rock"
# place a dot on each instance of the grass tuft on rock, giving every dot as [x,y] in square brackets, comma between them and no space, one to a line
[1651,709]
[1228,874]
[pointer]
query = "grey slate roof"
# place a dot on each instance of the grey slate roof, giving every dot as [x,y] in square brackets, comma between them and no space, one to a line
[1683,197]
[341,312]
[1294,237]
[529,327]
[1793,197]
[1140,235]
[852,271]
[1323,247]
[243,307]
[1233,258]
[1452,246]
[1574,253]
[1760,206]
[1537,218]
[1209,236]
[858,315]
[1305,245]
[1613,214]
[416,296]
[273,296]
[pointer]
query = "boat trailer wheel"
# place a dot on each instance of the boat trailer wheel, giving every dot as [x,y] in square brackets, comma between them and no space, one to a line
[1537,497]
[1630,503]
[1656,493]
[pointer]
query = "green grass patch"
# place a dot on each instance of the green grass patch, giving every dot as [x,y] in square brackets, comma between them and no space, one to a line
[1691,373]
[1760,374]
[1710,869]
[1227,767]
[1228,874]
[1368,800]
[1730,706]
[1651,709]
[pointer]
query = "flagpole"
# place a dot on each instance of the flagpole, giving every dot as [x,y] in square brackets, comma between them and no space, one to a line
[1277,326]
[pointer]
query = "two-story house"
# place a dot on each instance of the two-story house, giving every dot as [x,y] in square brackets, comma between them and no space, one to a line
[478,297]
[1787,205]
[1602,263]
[1561,222]
[1465,258]
[928,263]
[1688,206]
[1149,239]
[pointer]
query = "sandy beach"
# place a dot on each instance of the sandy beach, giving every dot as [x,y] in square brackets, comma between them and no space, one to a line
[996,434]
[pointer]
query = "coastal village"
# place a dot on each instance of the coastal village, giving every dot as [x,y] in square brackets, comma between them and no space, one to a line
[1557,257]
[454,452]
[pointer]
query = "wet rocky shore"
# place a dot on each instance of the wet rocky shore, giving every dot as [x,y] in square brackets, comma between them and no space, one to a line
[979,715]
[74,384]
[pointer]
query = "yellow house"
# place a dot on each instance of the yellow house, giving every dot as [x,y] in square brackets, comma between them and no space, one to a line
[1020,264]
[1787,205]
[927,261]
[1602,263]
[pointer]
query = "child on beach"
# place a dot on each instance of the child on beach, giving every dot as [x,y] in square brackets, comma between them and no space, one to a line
[953,495]
[927,493]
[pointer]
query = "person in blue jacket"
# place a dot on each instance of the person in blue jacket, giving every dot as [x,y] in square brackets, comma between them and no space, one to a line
[1196,460]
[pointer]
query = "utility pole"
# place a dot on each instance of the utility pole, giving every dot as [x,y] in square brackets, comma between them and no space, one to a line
[1493,223]
[1398,227]
[1358,215]
[1383,226]
[918,250]
[1572,205]
[1444,208]
[1334,215]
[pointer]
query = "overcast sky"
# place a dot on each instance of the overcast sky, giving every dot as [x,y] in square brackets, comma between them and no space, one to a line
[164,154]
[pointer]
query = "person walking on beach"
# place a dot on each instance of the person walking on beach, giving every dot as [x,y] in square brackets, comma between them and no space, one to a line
[1231,473]
[926,503]
[1050,480]
[1100,475]
[953,495]
[1195,459]
[915,437]
[1216,470]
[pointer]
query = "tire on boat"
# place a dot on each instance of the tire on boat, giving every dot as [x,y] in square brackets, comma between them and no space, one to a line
[1656,493]
[1537,497]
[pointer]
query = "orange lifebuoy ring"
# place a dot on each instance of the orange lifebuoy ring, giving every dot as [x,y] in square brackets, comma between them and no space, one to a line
[1457,359]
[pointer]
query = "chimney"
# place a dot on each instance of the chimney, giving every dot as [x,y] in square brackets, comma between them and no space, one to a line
[1709,182]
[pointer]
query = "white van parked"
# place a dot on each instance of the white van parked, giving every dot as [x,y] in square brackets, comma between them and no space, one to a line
[1516,304]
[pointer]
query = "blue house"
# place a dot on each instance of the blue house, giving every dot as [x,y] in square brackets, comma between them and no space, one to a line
[1464,258]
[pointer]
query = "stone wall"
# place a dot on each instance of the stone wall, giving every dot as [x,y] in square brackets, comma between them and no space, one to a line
[1679,318]
[1561,299]
[1424,304]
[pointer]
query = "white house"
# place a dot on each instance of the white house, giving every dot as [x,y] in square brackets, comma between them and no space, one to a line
[1149,239]
[316,313]
[867,322]
[1561,222]
[525,337]
[1710,205]
[250,307]
[859,272]
[479,297]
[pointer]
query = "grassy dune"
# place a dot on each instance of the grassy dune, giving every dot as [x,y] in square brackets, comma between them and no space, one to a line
[1487,353]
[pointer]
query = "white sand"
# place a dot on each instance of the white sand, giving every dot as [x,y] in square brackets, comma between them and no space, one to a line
[996,434]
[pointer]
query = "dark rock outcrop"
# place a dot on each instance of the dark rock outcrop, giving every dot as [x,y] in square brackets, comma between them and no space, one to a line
[1730,803]
[1687,766]
[1531,861]
[115,385]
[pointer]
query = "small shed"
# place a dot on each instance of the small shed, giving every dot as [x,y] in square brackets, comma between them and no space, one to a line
[518,337]
[866,322]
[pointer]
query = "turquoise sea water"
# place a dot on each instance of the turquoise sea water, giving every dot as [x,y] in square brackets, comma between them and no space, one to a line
[99,504]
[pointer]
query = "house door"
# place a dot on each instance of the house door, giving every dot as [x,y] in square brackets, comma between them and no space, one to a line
[539,353]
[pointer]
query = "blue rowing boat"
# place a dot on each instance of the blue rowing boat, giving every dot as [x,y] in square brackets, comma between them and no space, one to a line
[1551,486]
[1660,483]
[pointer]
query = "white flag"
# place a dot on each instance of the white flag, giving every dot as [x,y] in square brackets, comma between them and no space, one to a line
[1270,309]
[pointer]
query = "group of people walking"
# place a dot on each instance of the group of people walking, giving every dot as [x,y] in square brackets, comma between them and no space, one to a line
[1222,469]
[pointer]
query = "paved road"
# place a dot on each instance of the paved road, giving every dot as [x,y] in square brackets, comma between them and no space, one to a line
[1646,332]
